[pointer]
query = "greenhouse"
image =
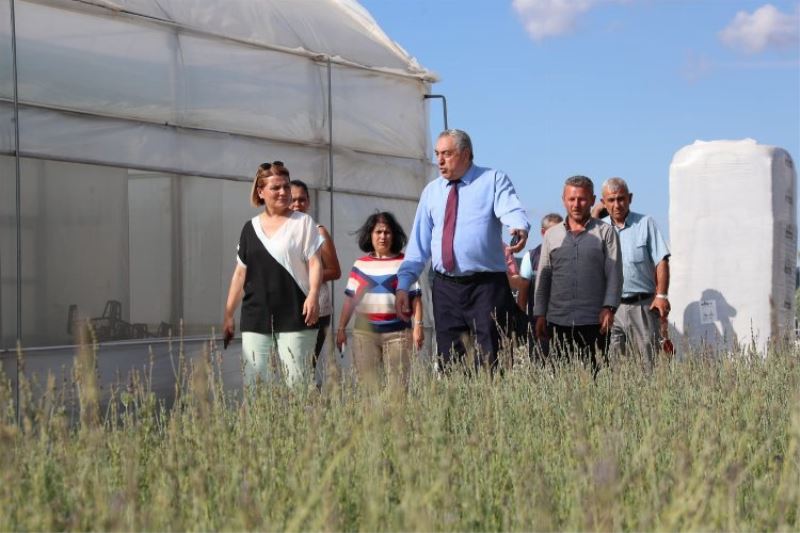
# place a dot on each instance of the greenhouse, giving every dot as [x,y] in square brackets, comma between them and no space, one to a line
[129,135]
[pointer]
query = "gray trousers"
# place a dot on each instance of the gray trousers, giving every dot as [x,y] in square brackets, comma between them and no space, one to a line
[636,331]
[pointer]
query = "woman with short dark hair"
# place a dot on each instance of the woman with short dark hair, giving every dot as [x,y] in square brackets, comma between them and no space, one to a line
[382,341]
[331,271]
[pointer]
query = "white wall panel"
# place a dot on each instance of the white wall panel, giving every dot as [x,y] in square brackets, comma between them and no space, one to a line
[8,254]
[151,240]
[378,113]
[6,128]
[236,88]
[358,171]
[96,63]
[75,245]
[732,271]
[6,87]
[59,135]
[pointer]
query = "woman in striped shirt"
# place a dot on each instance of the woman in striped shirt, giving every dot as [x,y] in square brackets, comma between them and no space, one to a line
[382,341]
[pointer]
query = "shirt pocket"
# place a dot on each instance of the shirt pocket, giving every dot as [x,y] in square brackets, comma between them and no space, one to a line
[639,251]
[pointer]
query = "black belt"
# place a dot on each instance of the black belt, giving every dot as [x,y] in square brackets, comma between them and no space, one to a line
[469,278]
[637,298]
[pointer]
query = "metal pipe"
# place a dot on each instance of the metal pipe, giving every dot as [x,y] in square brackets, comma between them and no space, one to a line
[34,351]
[18,185]
[444,106]
[332,327]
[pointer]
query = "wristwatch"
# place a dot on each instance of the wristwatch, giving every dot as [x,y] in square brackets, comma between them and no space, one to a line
[662,296]
[610,308]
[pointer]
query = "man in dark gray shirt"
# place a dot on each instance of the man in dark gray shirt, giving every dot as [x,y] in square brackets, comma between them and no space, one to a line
[579,282]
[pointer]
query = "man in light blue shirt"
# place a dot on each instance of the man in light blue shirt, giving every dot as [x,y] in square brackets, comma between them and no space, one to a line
[645,271]
[458,227]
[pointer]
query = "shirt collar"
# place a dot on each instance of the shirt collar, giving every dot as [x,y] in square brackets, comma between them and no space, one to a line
[468,177]
[630,220]
[592,221]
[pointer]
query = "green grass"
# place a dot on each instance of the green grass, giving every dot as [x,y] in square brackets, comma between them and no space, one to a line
[698,445]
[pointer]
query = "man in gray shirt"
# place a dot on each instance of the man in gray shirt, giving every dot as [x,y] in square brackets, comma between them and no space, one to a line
[579,282]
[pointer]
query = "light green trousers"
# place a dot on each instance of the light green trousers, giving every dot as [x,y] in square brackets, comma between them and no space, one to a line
[294,350]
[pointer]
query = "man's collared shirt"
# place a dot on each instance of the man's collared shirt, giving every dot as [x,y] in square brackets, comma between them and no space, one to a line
[526,267]
[578,274]
[643,247]
[486,201]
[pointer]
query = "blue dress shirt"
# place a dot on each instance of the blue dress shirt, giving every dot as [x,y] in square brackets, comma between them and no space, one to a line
[526,267]
[486,201]
[643,247]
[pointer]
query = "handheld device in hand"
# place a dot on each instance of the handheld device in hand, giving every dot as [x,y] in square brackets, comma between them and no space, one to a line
[514,240]
[226,340]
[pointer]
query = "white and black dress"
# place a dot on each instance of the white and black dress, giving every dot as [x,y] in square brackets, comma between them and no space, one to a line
[277,279]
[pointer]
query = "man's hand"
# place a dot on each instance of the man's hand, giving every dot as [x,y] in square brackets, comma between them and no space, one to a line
[541,328]
[606,320]
[662,306]
[599,210]
[402,305]
[522,238]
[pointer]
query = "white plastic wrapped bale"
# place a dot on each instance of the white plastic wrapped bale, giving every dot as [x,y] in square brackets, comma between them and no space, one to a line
[734,244]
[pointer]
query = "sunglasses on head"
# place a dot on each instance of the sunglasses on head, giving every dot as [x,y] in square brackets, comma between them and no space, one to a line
[267,166]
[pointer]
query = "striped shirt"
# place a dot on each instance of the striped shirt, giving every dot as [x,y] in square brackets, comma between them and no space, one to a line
[372,284]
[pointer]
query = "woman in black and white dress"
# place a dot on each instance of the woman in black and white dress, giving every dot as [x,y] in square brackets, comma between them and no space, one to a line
[278,274]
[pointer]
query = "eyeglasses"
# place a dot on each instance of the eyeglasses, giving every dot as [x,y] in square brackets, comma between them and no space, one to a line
[267,166]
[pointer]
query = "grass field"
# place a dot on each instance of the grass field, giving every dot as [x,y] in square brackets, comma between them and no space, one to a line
[697,445]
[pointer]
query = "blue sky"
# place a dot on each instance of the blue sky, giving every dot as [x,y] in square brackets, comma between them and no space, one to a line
[552,88]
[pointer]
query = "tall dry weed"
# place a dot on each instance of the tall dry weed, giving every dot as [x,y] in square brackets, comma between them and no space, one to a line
[710,444]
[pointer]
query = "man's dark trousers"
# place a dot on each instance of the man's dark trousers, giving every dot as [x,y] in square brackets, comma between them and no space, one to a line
[584,343]
[480,305]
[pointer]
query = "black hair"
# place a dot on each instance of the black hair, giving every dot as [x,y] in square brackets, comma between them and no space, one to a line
[301,184]
[399,238]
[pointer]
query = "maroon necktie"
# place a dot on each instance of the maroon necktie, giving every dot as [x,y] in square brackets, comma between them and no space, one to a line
[449,231]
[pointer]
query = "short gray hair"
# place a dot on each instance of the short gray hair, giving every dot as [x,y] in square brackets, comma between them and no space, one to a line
[580,181]
[463,142]
[615,184]
[550,220]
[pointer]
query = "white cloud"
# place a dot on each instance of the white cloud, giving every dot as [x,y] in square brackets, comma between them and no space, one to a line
[766,27]
[549,18]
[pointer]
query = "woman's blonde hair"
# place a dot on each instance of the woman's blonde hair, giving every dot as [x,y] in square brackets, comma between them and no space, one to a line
[266,170]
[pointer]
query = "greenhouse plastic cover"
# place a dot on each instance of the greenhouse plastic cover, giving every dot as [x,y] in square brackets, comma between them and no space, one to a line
[217,67]
[209,89]
[734,244]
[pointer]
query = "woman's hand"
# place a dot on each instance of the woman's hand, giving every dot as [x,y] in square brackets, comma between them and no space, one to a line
[311,309]
[235,293]
[228,329]
[341,339]
[418,335]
